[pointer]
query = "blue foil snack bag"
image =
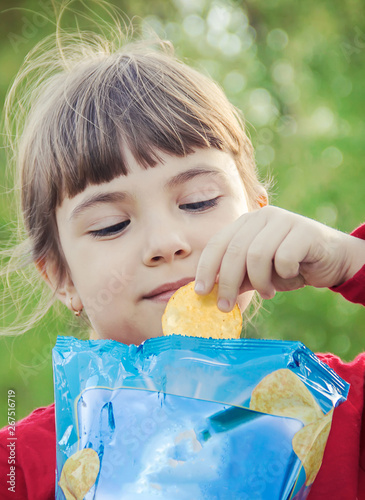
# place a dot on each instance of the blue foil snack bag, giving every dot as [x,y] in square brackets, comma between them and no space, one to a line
[190,418]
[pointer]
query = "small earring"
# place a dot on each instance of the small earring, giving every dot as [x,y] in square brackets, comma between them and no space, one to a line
[262,201]
[76,312]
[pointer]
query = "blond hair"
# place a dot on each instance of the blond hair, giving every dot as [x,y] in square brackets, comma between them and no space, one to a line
[86,99]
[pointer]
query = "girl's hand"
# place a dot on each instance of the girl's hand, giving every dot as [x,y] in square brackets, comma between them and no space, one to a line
[271,250]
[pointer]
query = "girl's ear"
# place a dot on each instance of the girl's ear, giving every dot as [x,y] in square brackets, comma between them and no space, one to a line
[66,292]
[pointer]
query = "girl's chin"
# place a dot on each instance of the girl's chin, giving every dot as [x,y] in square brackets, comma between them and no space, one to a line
[129,339]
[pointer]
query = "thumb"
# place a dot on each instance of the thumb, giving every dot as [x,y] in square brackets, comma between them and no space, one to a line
[280,284]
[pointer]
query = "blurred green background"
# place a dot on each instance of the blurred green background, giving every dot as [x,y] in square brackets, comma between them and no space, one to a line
[296,70]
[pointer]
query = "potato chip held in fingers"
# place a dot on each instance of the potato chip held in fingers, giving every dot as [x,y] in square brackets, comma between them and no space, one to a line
[79,473]
[190,314]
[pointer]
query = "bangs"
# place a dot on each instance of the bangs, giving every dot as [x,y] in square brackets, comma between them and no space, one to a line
[126,104]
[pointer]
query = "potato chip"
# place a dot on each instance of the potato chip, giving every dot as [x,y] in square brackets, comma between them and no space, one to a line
[79,474]
[64,486]
[282,393]
[188,313]
[309,444]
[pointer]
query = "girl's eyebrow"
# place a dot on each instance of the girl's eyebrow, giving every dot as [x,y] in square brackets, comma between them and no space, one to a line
[96,199]
[118,196]
[191,173]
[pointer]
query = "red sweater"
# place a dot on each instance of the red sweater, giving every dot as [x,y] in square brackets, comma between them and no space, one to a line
[341,477]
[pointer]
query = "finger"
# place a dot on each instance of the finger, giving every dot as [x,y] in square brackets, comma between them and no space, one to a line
[246,285]
[292,251]
[285,285]
[233,265]
[280,284]
[211,257]
[261,254]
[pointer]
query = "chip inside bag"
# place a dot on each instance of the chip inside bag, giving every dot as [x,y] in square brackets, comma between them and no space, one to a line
[185,417]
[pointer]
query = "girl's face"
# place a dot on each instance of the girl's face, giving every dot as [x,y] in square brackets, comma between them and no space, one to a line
[131,242]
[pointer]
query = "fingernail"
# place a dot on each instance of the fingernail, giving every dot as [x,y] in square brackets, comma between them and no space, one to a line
[224,305]
[199,286]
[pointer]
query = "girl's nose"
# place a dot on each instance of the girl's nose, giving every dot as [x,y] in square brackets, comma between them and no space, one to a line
[165,244]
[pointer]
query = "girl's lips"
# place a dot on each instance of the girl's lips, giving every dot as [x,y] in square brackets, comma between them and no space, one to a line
[164,292]
[162,297]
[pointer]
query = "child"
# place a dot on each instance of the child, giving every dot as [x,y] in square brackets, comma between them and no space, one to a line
[136,178]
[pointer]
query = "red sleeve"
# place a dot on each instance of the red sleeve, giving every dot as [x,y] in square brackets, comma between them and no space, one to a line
[34,450]
[354,288]
[342,474]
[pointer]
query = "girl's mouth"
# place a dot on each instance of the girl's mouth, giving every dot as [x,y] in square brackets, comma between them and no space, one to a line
[164,292]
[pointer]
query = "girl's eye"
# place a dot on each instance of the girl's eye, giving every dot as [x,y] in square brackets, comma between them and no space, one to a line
[110,230]
[200,206]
